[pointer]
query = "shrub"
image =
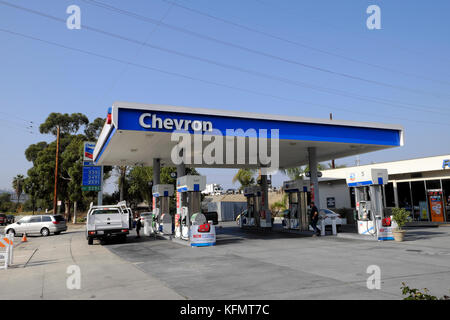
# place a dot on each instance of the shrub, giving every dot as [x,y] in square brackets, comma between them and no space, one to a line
[81,219]
[400,216]
[415,294]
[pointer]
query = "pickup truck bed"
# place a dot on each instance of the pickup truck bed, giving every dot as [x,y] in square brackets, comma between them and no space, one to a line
[107,221]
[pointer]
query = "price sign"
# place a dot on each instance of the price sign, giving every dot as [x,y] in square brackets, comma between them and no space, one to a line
[92,176]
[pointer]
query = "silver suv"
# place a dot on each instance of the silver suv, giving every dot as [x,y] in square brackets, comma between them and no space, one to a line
[39,224]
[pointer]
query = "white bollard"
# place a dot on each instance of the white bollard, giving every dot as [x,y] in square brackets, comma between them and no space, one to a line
[11,248]
[333,226]
[147,227]
[322,227]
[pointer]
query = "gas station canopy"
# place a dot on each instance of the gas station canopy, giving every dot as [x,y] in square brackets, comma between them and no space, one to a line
[135,134]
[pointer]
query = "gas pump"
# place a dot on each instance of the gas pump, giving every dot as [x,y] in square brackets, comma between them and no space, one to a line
[190,222]
[254,216]
[296,217]
[368,185]
[161,212]
[250,219]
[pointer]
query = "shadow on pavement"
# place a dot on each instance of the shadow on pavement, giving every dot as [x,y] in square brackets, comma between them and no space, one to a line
[413,235]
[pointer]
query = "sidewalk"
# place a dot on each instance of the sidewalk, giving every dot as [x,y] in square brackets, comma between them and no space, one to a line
[40,271]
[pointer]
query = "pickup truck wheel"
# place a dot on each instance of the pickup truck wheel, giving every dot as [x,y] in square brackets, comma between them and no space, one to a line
[90,241]
[45,232]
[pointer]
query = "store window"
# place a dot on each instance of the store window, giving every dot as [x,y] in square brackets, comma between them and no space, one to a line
[352,197]
[433,184]
[389,192]
[446,190]
[404,195]
[419,200]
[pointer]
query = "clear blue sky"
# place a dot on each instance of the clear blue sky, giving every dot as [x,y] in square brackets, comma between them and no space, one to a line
[412,49]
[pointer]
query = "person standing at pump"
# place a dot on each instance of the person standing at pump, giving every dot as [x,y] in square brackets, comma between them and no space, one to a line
[314,218]
[138,226]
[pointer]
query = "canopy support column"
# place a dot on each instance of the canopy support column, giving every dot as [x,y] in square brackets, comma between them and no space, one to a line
[314,181]
[181,170]
[156,171]
[265,198]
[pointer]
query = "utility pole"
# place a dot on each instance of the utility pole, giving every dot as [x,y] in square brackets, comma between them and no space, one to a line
[333,165]
[55,193]
[123,171]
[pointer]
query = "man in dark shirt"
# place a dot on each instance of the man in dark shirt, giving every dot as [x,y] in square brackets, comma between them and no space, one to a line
[138,226]
[314,218]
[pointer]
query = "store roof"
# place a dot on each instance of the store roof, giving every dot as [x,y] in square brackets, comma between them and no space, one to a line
[433,163]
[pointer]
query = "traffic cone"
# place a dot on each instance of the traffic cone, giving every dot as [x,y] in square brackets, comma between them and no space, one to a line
[24,238]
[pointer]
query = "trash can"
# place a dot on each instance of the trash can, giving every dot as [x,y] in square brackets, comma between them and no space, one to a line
[148,225]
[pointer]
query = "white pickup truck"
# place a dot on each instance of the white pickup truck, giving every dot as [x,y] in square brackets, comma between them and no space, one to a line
[104,222]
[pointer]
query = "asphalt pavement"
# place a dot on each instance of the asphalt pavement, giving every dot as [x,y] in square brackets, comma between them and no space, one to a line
[253,265]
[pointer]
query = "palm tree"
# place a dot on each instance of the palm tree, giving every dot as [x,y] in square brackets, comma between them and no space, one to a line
[245,177]
[279,206]
[336,166]
[299,172]
[294,173]
[18,183]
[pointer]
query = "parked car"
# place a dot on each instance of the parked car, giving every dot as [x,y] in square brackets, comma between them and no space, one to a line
[327,215]
[10,219]
[230,191]
[38,224]
[3,219]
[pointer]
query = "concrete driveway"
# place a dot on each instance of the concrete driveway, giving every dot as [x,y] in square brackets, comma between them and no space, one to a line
[41,266]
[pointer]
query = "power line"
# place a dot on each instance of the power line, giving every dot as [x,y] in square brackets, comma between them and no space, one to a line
[15,116]
[21,123]
[306,46]
[392,44]
[254,51]
[153,21]
[122,73]
[201,80]
[8,123]
[237,68]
